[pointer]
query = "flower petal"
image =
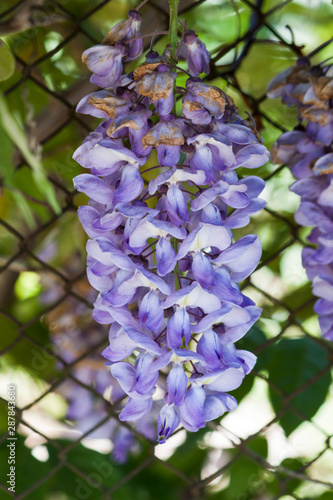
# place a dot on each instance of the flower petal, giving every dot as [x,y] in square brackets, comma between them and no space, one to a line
[192,410]
[135,409]
[167,422]
[179,326]
[151,312]
[165,257]
[202,270]
[176,384]
[131,184]
[217,404]
[94,187]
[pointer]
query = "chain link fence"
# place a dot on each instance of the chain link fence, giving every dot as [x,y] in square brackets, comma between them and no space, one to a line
[277,444]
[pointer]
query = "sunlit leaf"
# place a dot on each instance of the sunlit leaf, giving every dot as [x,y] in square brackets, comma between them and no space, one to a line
[7,172]
[7,62]
[16,134]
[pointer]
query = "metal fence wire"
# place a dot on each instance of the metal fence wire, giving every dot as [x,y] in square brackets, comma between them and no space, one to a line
[47,334]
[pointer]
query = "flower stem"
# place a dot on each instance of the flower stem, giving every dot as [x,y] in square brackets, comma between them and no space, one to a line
[141,4]
[173,25]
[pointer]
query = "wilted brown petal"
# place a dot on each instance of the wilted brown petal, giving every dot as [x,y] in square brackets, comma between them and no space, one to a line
[316,115]
[324,88]
[191,106]
[156,85]
[299,74]
[109,105]
[144,68]
[210,92]
[167,134]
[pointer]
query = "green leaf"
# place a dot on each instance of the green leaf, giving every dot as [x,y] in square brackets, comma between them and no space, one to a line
[34,470]
[292,363]
[7,62]
[189,457]
[7,172]
[247,477]
[16,134]
[293,464]
[326,496]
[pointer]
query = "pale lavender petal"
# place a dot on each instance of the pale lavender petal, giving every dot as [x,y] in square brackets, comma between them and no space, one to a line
[242,257]
[193,296]
[248,360]
[211,215]
[88,215]
[94,187]
[209,195]
[151,312]
[136,211]
[322,287]
[143,341]
[145,377]
[108,254]
[192,410]
[165,257]
[230,314]
[310,214]
[99,58]
[167,423]
[176,205]
[135,409]
[152,228]
[224,289]
[168,155]
[222,380]
[176,384]
[144,278]
[119,348]
[210,347]
[131,184]
[125,374]
[254,185]
[252,156]
[241,216]
[217,404]
[204,236]
[179,327]
[202,270]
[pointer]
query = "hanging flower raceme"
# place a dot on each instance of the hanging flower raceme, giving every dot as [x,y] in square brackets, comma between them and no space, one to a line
[161,251]
[307,151]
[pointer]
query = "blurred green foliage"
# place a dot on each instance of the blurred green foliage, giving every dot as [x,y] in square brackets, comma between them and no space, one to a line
[34,192]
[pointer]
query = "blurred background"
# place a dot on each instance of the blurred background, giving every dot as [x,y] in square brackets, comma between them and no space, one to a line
[277,444]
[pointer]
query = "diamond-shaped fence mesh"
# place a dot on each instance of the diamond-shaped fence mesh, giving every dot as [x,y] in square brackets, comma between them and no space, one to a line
[277,443]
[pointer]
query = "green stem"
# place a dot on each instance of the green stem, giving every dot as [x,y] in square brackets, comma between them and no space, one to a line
[173,26]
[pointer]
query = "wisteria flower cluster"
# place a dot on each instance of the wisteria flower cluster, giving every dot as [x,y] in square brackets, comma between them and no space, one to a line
[307,150]
[161,251]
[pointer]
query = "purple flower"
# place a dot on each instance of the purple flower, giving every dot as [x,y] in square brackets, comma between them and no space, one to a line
[167,137]
[104,104]
[123,43]
[105,62]
[308,153]
[167,423]
[125,32]
[161,252]
[194,52]
[158,86]
[202,102]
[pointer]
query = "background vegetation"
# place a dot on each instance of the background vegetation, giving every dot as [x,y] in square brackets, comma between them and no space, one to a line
[276,445]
